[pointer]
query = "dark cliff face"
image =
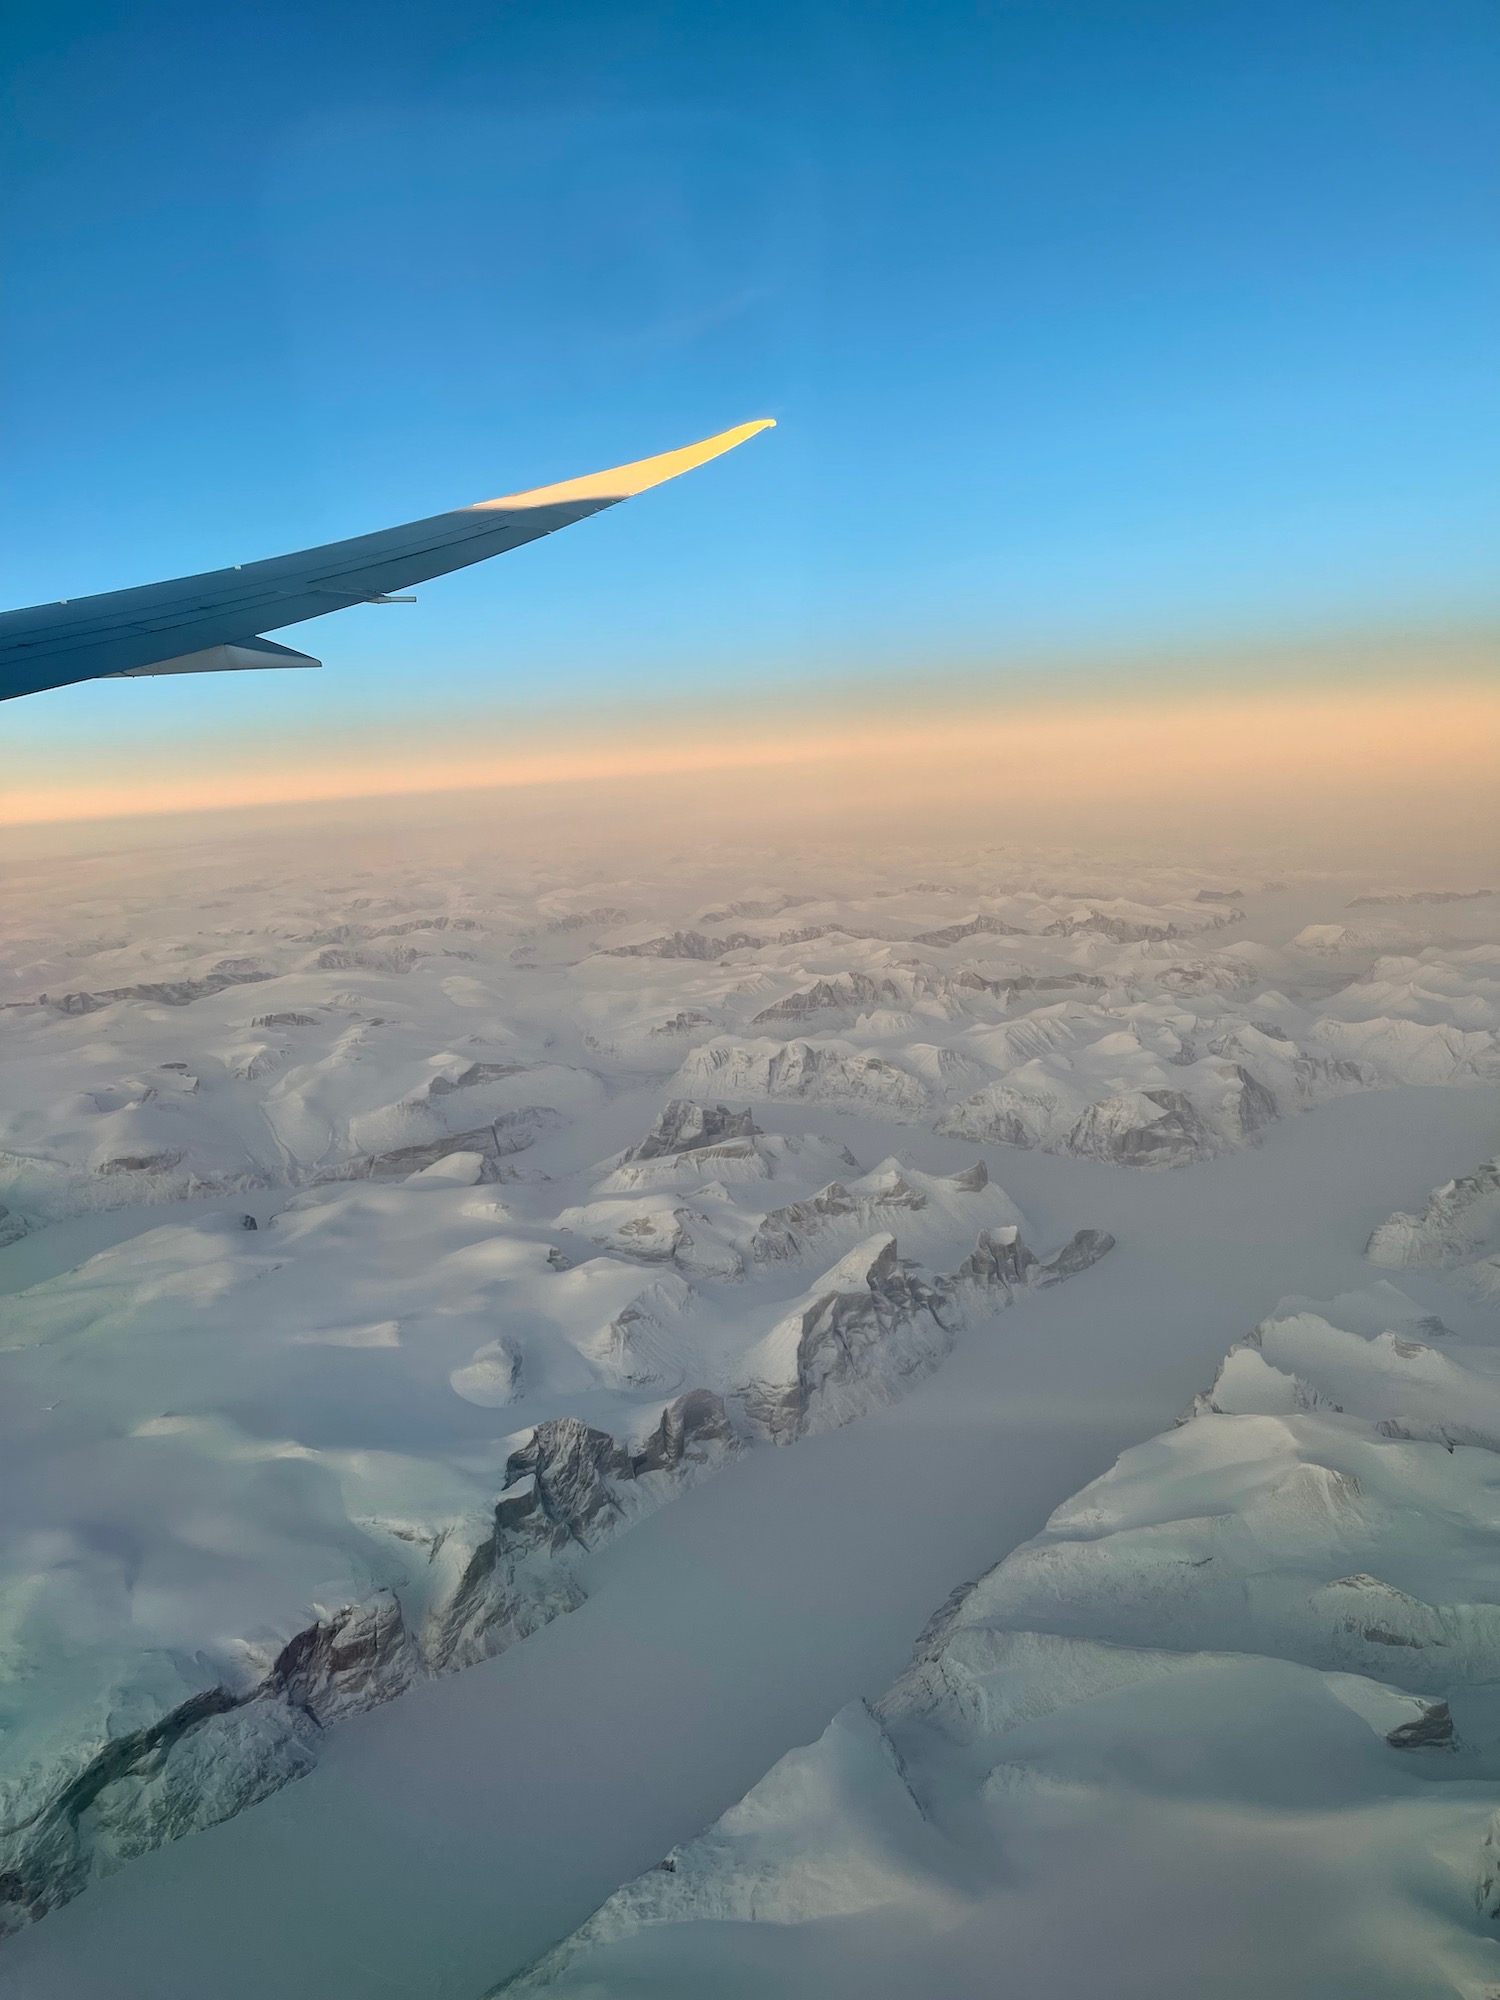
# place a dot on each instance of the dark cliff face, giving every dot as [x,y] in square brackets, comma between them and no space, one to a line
[689,1430]
[1156,1128]
[221,1751]
[359,1657]
[684,1127]
[889,1322]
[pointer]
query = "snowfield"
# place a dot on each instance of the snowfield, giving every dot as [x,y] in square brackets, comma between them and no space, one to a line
[1458,1232]
[382,1245]
[257,1478]
[330,1035]
[1276,1626]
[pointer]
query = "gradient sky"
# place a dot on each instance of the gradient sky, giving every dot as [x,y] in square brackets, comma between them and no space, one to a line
[1090,329]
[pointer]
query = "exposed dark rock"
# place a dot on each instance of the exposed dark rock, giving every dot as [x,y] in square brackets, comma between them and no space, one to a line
[162,993]
[354,1660]
[982,925]
[888,1322]
[854,989]
[786,1232]
[683,1023]
[1254,1106]
[512,1132]
[1085,1248]
[687,944]
[683,1127]
[1157,1128]
[695,1420]
[1432,1731]
[476,1073]
[999,1261]
[343,958]
[1123,930]
[573,1467]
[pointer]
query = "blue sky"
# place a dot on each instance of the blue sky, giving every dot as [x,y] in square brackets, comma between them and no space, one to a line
[1086,327]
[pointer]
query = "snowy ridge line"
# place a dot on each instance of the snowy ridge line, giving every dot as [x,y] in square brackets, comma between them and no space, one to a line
[1144,1028]
[204,1687]
[1457,1232]
[1289,1604]
[116,1796]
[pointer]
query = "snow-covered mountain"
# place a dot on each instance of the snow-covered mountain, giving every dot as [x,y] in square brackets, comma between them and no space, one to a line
[567,1186]
[257,1478]
[1458,1232]
[1263,1645]
[324,1034]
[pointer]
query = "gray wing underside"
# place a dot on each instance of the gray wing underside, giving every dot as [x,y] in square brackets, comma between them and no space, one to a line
[214,622]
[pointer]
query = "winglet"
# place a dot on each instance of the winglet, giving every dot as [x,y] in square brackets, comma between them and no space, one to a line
[621,481]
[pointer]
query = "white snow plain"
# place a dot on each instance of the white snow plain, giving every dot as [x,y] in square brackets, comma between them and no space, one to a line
[272,1425]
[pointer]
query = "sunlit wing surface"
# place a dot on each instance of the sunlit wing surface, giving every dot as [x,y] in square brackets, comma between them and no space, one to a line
[213,623]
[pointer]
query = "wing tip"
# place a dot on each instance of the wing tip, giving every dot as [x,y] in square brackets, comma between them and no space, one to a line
[622,482]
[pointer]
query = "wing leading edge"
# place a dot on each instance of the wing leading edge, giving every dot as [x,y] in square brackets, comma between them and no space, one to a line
[213,623]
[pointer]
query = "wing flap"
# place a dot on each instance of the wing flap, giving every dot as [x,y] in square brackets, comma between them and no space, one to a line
[225,660]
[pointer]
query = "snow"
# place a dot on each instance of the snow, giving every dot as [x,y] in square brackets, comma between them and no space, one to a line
[1219,1621]
[232,1443]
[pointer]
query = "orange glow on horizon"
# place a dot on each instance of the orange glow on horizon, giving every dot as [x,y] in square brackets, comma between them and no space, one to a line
[1205,749]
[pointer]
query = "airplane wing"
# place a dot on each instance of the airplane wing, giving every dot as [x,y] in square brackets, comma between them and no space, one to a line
[213,623]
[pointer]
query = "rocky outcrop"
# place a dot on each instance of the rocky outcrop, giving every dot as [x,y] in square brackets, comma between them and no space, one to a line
[788,1233]
[1143,1128]
[223,1748]
[348,958]
[1025,982]
[686,944]
[692,1429]
[1085,1247]
[875,1321]
[359,1657]
[980,926]
[200,1762]
[1120,930]
[204,1761]
[1461,1220]
[512,1132]
[567,1490]
[871,1321]
[683,1022]
[845,995]
[474,1074]
[803,1072]
[682,1126]
[162,992]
